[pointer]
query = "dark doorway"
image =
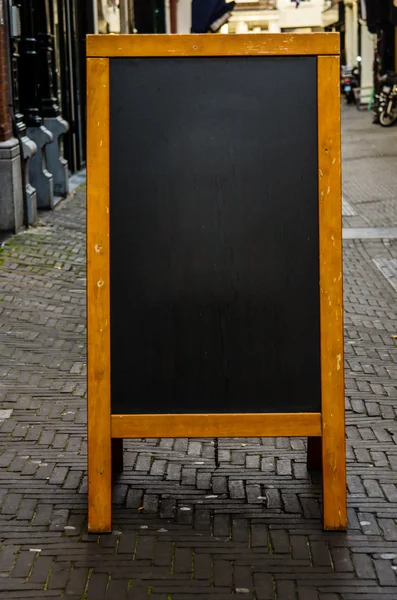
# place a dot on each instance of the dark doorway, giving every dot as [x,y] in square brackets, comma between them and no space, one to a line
[72,21]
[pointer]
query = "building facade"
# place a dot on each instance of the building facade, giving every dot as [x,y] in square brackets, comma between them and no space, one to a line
[275,16]
[42,103]
[11,192]
[42,73]
[42,85]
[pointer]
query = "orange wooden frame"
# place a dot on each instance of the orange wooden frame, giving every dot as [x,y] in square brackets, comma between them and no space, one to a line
[215,425]
[277,44]
[326,430]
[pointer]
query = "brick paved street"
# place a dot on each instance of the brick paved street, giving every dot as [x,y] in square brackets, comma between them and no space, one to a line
[201,519]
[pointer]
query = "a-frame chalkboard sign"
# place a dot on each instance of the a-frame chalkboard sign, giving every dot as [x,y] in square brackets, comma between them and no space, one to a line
[214,247]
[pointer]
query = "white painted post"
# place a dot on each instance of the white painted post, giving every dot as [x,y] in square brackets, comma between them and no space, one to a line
[367,61]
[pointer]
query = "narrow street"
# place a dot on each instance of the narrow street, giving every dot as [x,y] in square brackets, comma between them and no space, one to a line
[200,518]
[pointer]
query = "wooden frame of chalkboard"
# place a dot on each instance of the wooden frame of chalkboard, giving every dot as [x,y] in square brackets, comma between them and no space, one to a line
[325,430]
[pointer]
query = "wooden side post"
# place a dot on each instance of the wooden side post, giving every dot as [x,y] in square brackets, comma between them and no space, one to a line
[98,297]
[331,295]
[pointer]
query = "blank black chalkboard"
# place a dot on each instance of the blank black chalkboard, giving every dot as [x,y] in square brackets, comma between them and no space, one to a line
[214,235]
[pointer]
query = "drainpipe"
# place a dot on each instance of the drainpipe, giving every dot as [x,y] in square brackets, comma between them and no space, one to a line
[124,20]
[174,16]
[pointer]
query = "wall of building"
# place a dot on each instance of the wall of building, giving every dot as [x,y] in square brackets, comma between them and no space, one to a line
[42,105]
[11,192]
[108,17]
[184,16]
[308,14]
[5,113]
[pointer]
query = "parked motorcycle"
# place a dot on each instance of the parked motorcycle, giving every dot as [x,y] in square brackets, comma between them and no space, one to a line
[387,100]
[350,84]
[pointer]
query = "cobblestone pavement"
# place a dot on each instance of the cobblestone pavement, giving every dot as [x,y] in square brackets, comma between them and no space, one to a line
[369,171]
[195,518]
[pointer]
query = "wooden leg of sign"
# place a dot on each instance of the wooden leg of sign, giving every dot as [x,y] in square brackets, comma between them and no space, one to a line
[98,297]
[99,483]
[117,455]
[331,296]
[334,480]
[314,454]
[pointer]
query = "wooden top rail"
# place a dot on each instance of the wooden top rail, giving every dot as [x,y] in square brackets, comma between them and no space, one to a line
[267,44]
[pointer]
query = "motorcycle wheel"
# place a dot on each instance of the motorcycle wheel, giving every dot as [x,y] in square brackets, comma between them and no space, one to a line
[386,119]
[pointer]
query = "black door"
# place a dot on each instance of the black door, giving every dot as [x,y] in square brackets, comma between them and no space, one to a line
[72,22]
